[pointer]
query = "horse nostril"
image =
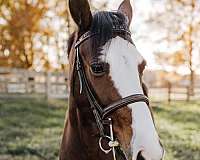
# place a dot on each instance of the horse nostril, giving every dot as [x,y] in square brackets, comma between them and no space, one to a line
[139,156]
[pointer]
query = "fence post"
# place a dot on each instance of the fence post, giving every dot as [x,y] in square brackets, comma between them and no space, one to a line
[26,74]
[6,86]
[169,86]
[48,84]
[188,94]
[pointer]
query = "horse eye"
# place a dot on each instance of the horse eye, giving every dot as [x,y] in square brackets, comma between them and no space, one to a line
[97,69]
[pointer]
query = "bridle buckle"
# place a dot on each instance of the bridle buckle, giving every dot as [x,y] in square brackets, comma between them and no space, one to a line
[113,144]
[106,151]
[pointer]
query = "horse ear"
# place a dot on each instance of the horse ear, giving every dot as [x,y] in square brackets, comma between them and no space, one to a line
[81,14]
[126,8]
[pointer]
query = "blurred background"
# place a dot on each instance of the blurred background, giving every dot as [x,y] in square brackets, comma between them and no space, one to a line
[34,67]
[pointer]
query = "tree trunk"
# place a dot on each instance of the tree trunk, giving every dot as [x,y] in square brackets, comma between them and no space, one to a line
[190,49]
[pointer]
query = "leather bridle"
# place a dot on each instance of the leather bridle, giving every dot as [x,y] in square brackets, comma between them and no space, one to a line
[101,114]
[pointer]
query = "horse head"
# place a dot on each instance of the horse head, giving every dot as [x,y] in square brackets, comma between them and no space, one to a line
[111,69]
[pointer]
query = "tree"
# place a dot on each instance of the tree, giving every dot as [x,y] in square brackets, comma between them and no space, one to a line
[32,32]
[20,25]
[178,25]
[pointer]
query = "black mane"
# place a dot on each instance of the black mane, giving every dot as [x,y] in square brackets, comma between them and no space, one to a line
[103,24]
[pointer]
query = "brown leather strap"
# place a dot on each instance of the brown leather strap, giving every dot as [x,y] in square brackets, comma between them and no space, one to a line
[123,102]
[84,37]
[87,35]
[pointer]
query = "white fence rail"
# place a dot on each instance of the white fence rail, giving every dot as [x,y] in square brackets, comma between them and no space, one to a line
[20,82]
[181,93]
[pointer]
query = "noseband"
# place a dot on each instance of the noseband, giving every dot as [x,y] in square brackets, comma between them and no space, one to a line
[100,113]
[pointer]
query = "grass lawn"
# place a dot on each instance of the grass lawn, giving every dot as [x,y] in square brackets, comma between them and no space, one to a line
[30,129]
[179,128]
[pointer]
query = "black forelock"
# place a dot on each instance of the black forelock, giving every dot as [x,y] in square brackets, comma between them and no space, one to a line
[103,24]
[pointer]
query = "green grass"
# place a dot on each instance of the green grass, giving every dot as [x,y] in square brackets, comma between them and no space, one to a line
[30,129]
[179,128]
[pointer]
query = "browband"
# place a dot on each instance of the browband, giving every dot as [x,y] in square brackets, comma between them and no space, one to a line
[89,34]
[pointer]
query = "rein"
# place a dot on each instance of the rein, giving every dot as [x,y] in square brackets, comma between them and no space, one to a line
[101,114]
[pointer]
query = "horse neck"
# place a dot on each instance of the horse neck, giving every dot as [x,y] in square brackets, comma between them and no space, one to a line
[72,145]
[80,112]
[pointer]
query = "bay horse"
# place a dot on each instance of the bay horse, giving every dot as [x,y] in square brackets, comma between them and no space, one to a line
[109,117]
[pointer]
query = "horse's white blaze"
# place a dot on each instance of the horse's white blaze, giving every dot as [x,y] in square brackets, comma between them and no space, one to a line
[123,59]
